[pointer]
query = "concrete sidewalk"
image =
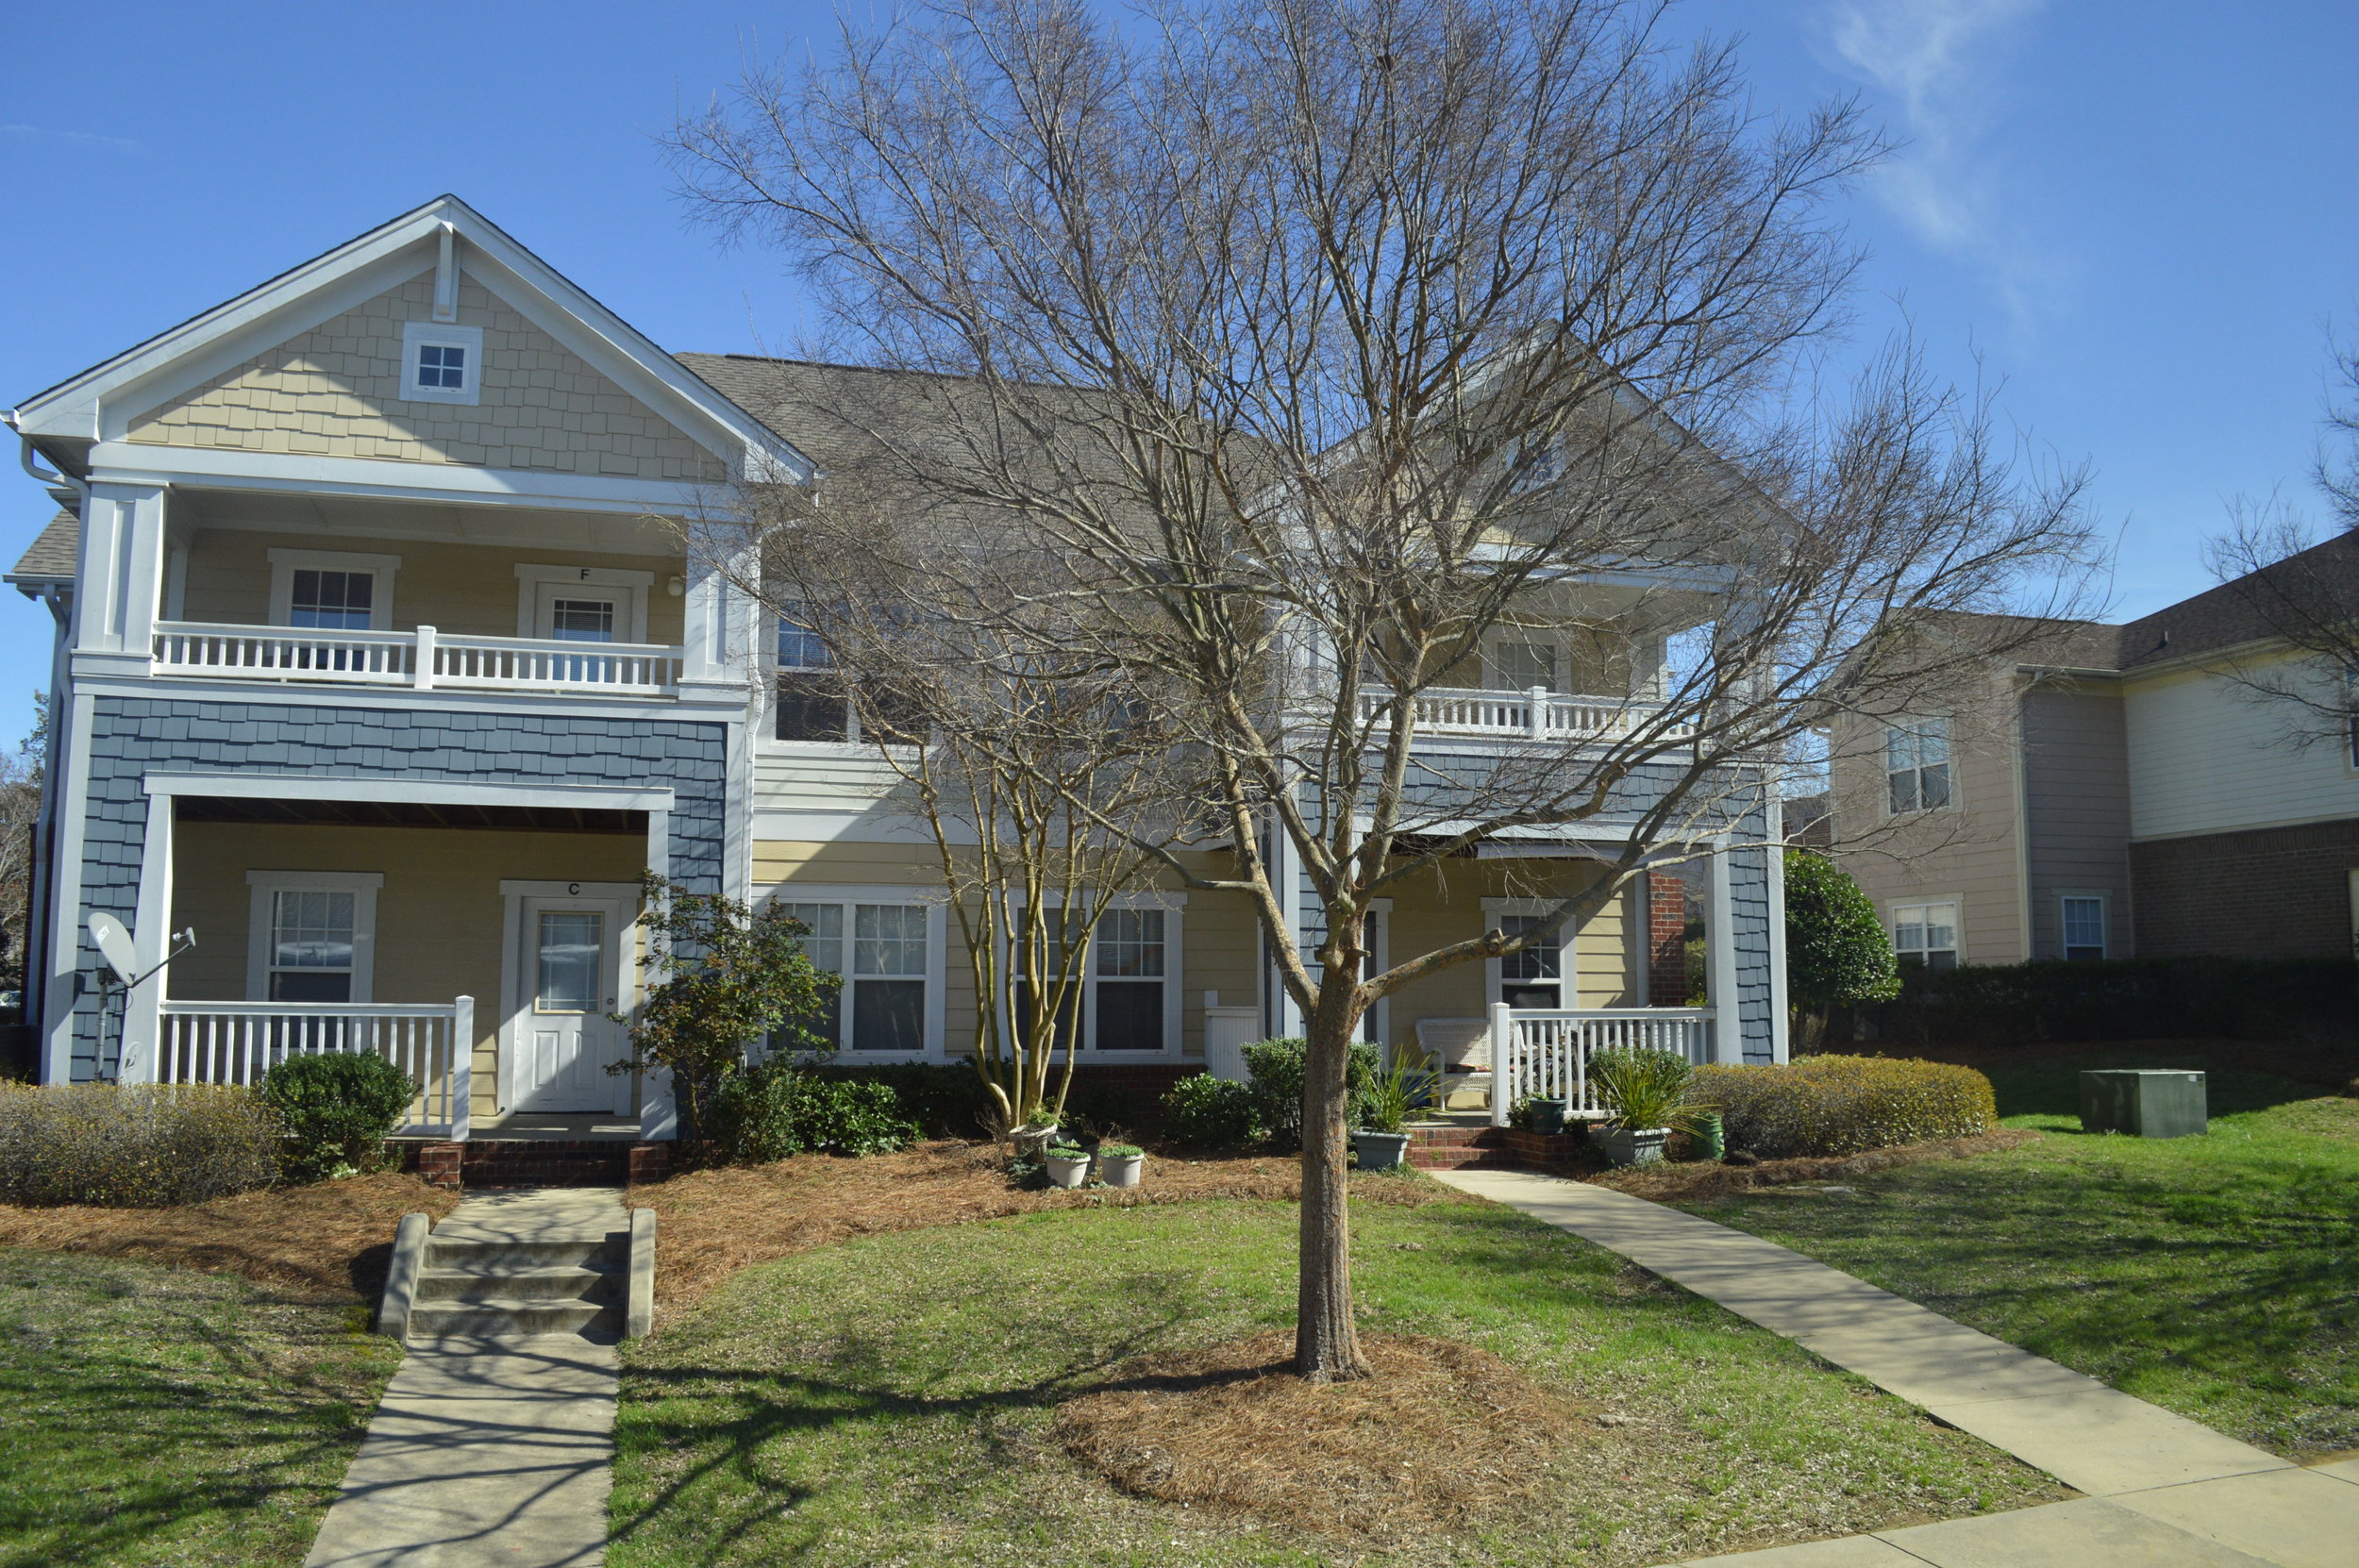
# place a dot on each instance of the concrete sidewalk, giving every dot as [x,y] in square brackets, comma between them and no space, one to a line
[2163,1490]
[489,1451]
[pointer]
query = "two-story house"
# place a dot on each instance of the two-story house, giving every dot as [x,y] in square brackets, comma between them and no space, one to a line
[382,666]
[2109,791]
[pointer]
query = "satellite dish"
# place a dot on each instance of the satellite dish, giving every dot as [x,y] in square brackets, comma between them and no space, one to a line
[115,946]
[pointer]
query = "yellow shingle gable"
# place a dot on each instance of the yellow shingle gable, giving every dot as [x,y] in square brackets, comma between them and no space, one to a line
[333,391]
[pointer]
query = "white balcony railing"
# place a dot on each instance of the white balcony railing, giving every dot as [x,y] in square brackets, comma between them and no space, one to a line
[421,660]
[1538,714]
[236,1043]
[1548,1053]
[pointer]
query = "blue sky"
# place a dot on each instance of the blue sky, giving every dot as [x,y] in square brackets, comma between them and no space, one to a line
[2137,218]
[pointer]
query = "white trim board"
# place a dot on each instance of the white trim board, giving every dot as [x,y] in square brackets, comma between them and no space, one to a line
[225,468]
[296,786]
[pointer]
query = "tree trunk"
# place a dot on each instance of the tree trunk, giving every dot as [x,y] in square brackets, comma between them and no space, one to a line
[1327,1336]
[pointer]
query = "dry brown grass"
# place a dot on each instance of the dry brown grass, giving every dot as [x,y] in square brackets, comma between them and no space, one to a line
[710,1223]
[1684,1184]
[328,1243]
[1445,1437]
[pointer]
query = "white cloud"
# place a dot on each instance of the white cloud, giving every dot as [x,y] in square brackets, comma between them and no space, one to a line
[1941,61]
[86,137]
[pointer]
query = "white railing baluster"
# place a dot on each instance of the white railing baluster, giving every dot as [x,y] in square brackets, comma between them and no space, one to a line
[1546,1053]
[237,1043]
[425,658]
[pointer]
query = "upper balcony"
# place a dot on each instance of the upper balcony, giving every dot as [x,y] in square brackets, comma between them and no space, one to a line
[1534,713]
[423,659]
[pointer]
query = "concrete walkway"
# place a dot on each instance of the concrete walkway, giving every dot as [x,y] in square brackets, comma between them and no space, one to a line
[489,1451]
[2163,1491]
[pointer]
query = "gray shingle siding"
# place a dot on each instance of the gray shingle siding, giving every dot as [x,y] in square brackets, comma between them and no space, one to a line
[132,737]
[1748,913]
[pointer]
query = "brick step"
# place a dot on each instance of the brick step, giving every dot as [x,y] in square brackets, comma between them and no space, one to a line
[537,1163]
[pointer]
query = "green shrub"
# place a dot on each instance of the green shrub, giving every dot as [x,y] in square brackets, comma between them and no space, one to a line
[134,1146]
[944,1099]
[1275,1067]
[338,1108]
[781,1108]
[1206,1112]
[1842,1105]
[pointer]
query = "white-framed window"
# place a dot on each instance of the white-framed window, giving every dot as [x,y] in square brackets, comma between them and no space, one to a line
[337,590]
[1542,977]
[1521,664]
[311,935]
[441,363]
[2081,921]
[581,604]
[1129,1000]
[1916,766]
[1926,935]
[1374,958]
[809,703]
[886,946]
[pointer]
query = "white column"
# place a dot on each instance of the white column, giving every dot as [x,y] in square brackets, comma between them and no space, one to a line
[119,594]
[659,1115]
[151,938]
[716,620]
[1285,874]
[1728,1039]
[1776,851]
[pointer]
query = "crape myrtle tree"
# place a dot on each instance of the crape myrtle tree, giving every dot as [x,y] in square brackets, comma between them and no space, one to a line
[1313,341]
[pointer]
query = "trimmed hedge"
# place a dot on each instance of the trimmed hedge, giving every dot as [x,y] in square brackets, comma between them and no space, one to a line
[339,1109]
[136,1145]
[1844,1104]
[2020,1004]
[781,1109]
[1275,1067]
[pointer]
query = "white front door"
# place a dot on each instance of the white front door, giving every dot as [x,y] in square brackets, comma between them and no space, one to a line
[570,979]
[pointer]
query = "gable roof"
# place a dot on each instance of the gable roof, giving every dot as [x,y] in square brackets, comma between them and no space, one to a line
[96,402]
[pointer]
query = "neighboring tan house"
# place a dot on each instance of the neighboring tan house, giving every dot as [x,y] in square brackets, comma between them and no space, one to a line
[378,665]
[2112,791]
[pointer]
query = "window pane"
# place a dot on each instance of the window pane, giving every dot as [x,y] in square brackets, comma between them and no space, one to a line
[1068,1018]
[825,944]
[809,710]
[338,599]
[570,951]
[1130,1016]
[1904,792]
[1941,925]
[799,647]
[889,938]
[1933,788]
[582,620]
[1908,932]
[1900,750]
[2085,928]
[1533,963]
[1524,665]
[1932,742]
[311,931]
[310,984]
[888,1015]
[1130,943]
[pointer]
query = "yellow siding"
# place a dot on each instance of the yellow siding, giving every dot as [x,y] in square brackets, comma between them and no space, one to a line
[334,391]
[469,590]
[440,914]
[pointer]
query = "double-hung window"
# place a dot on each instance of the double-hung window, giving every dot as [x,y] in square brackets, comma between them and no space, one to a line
[2083,921]
[810,704]
[1925,935]
[1124,996]
[344,600]
[1916,766]
[882,953]
[1536,976]
[1519,665]
[310,936]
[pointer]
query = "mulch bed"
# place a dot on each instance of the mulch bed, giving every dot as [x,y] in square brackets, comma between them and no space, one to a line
[1444,1437]
[1684,1184]
[710,1223]
[328,1243]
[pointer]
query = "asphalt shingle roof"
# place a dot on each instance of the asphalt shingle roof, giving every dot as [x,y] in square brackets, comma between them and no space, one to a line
[52,557]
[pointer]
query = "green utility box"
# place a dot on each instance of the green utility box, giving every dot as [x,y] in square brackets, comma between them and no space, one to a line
[2144,1102]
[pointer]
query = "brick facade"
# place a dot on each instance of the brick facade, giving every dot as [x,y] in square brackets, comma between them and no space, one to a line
[2276,892]
[1667,940]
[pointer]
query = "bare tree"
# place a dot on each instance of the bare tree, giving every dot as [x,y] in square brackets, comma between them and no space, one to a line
[2300,594]
[19,808]
[1308,342]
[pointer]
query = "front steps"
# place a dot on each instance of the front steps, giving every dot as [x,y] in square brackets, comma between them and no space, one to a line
[1460,1145]
[483,1163]
[512,1265]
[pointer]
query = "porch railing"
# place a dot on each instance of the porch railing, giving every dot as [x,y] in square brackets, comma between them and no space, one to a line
[1548,1053]
[422,660]
[236,1043]
[1538,714]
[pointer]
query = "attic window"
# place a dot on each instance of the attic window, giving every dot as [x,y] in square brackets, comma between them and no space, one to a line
[440,363]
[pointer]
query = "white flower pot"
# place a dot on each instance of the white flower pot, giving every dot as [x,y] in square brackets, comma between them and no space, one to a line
[1120,1171]
[1380,1151]
[1633,1145]
[1068,1169]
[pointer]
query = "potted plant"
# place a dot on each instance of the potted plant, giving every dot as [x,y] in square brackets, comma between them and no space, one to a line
[1068,1164]
[1118,1164]
[1031,1140]
[1385,1107]
[1547,1116]
[1645,1093]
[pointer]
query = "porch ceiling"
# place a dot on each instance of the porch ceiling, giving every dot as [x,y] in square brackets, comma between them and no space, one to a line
[397,813]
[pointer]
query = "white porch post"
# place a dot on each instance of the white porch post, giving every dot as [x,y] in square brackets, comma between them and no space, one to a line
[122,580]
[151,937]
[1285,870]
[659,1114]
[1728,1037]
[1503,1056]
[1776,837]
[462,1068]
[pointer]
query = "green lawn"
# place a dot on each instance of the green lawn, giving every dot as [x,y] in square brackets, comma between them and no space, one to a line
[885,1400]
[2216,1275]
[153,1415]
